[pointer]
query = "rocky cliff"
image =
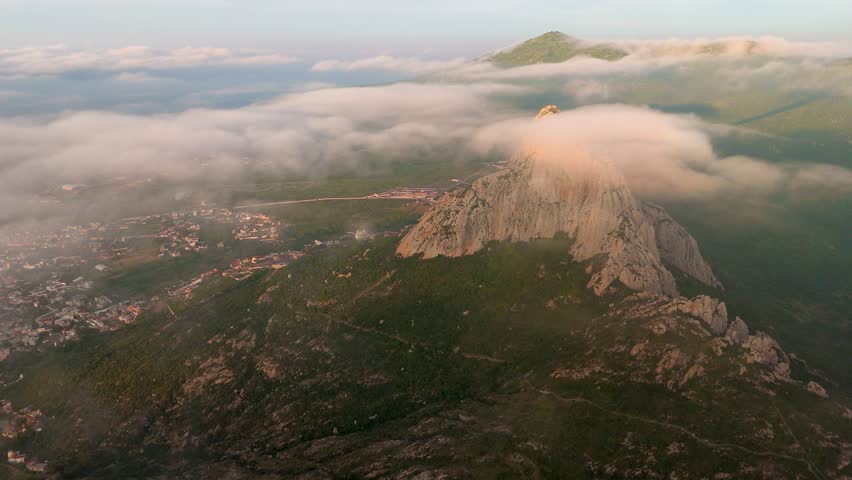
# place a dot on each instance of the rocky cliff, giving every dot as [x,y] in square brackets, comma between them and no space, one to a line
[587,199]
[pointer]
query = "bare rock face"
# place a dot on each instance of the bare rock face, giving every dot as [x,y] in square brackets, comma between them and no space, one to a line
[678,247]
[737,332]
[547,110]
[763,349]
[711,311]
[531,200]
[590,202]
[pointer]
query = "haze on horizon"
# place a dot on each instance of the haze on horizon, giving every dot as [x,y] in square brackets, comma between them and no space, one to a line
[443,28]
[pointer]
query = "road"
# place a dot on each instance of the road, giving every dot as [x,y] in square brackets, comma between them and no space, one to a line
[328,199]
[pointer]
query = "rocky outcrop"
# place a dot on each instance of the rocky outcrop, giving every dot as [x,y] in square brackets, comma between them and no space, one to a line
[816,389]
[711,311]
[547,110]
[533,200]
[586,199]
[705,317]
[763,349]
[737,332]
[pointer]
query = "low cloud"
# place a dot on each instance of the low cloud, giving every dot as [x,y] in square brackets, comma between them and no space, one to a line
[742,60]
[143,79]
[308,131]
[407,65]
[833,176]
[585,90]
[585,76]
[575,67]
[734,47]
[60,59]
[660,156]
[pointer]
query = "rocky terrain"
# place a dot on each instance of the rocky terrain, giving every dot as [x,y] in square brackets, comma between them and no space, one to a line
[630,241]
[357,363]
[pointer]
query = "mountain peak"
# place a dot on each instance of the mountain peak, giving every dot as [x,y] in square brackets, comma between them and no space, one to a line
[555,35]
[586,199]
[555,47]
[547,110]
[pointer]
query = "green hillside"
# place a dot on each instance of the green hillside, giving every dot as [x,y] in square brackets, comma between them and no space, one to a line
[354,363]
[554,47]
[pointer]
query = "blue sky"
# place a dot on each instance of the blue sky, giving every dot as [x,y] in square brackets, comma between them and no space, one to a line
[318,28]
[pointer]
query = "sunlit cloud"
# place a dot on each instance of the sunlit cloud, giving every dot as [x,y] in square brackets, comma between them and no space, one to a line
[460,110]
[660,155]
[734,47]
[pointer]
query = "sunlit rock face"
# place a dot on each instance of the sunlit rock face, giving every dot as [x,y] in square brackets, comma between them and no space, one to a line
[547,110]
[542,194]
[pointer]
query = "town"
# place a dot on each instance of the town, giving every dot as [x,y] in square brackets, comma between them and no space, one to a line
[13,424]
[50,282]
[426,194]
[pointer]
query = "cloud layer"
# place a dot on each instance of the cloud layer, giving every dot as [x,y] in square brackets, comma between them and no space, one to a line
[643,55]
[302,131]
[734,46]
[407,65]
[59,59]
[468,110]
[661,156]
